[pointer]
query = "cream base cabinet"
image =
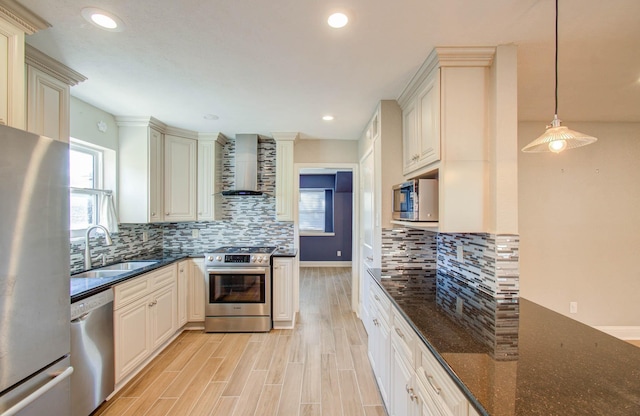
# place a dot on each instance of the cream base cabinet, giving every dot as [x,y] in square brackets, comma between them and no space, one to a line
[196,298]
[183,292]
[145,317]
[180,170]
[284,277]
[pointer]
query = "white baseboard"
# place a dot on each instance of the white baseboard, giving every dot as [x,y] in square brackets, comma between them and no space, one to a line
[622,332]
[325,264]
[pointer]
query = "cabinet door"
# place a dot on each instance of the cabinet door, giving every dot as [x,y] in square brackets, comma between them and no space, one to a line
[132,336]
[47,105]
[156,189]
[196,299]
[163,319]
[410,145]
[206,178]
[402,394]
[180,178]
[284,180]
[429,122]
[283,289]
[184,270]
[379,352]
[367,227]
[12,82]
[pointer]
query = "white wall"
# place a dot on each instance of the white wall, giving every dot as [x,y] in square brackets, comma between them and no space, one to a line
[321,151]
[84,124]
[579,222]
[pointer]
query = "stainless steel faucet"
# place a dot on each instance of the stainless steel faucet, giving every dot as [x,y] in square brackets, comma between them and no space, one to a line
[87,249]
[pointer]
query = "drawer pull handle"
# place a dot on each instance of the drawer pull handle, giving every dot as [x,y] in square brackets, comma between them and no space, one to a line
[375,322]
[400,334]
[409,390]
[432,383]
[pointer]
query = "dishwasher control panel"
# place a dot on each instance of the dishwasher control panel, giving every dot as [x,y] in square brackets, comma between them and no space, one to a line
[86,305]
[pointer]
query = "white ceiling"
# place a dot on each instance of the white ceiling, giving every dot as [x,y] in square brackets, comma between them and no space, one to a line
[265,66]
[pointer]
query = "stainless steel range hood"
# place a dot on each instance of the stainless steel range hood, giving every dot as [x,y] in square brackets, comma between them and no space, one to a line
[246,163]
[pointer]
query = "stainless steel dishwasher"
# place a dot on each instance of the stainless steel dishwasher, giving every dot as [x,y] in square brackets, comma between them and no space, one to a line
[92,352]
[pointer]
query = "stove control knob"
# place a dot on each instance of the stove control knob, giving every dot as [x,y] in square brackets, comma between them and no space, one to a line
[218,258]
[210,258]
[260,259]
[253,259]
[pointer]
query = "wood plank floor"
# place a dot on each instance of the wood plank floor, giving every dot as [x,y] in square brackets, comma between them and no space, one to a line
[318,368]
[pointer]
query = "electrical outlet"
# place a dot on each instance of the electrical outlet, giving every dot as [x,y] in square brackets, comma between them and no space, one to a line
[573,307]
[195,233]
[459,305]
[460,253]
[339,253]
[145,236]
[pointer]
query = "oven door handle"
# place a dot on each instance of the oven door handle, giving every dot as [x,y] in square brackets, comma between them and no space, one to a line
[238,270]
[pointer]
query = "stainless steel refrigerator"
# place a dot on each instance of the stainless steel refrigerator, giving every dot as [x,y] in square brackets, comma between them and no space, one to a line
[34,275]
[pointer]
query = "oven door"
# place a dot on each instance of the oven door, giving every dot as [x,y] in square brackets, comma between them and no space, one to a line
[235,291]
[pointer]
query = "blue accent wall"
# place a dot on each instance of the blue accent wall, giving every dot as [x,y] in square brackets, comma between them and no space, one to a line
[313,248]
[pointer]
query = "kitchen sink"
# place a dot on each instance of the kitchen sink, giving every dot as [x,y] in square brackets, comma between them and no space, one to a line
[128,265]
[97,274]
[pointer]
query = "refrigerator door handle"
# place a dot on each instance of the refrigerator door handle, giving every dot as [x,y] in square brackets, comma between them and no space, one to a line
[39,392]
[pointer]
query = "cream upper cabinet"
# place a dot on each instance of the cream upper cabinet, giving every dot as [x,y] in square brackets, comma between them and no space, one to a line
[446,120]
[12,81]
[48,96]
[140,166]
[421,126]
[180,170]
[284,175]
[157,171]
[210,151]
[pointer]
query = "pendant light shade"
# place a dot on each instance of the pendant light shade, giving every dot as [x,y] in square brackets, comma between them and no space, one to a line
[558,137]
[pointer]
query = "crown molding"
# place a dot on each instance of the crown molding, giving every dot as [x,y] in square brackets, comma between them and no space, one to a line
[48,65]
[285,136]
[20,16]
[140,121]
[216,137]
[453,56]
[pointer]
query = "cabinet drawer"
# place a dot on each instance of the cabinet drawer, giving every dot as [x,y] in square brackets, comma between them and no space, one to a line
[380,301]
[404,336]
[130,290]
[439,384]
[162,277]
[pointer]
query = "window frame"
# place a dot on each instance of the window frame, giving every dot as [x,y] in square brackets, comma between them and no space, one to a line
[315,232]
[98,180]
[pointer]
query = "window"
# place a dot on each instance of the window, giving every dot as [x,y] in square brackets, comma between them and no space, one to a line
[85,177]
[315,211]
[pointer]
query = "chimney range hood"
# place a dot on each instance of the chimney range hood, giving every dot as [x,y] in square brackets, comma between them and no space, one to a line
[246,166]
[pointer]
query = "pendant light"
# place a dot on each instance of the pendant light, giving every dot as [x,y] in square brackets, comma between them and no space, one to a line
[558,137]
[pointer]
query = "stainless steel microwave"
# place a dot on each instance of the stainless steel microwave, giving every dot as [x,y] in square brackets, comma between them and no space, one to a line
[416,200]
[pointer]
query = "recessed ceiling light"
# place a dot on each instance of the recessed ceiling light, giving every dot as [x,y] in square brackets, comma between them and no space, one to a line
[338,20]
[102,19]
[211,117]
[327,118]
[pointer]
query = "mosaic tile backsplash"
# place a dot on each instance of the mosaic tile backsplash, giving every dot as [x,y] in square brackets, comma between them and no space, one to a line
[480,292]
[246,220]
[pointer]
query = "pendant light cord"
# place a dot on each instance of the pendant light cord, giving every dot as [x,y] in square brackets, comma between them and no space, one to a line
[556,91]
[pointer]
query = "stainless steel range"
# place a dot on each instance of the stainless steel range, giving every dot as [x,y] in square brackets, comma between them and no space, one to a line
[238,292]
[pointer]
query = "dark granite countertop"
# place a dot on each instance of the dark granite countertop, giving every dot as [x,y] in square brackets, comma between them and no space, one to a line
[562,367]
[81,288]
[285,253]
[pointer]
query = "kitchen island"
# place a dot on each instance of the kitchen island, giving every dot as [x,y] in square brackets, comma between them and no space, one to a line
[560,366]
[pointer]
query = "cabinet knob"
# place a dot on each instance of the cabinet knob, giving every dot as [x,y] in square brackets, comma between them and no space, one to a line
[166,213]
[153,214]
[409,390]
